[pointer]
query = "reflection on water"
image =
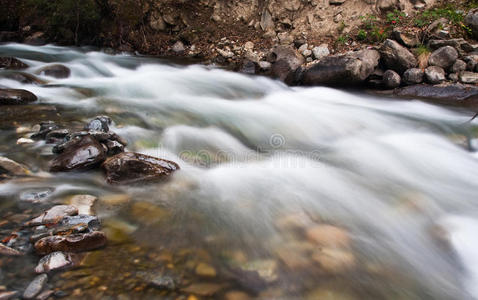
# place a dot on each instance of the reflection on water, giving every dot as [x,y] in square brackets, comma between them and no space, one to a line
[283,193]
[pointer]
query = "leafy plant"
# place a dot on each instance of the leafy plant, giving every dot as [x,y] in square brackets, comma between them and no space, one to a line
[396,17]
[362,35]
[341,40]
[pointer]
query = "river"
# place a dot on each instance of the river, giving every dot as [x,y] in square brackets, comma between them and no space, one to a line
[262,164]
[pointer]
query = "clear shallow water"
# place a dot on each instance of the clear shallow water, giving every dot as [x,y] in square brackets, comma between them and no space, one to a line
[262,163]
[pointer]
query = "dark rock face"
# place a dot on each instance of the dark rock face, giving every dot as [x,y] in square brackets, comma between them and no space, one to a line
[391,79]
[351,68]
[80,155]
[129,167]
[12,63]
[56,70]
[35,287]
[413,76]
[100,123]
[444,57]
[16,97]
[449,94]
[458,66]
[71,243]
[434,74]
[396,57]
[285,61]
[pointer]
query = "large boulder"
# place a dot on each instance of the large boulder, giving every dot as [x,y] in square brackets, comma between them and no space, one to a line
[12,63]
[444,57]
[130,167]
[468,77]
[413,76]
[285,61]
[16,97]
[351,68]
[434,74]
[55,70]
[85,153]
[391,79]
[396,57]
[471,20]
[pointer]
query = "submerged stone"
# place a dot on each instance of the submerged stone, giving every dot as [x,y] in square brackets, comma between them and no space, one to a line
[81,155]
[54,261]
[130,167]
[5,250]
[71,243]
[55,70]
[12,63]
[35,287]
[16,97]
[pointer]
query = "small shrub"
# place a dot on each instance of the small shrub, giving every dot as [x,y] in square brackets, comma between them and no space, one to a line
[362,35]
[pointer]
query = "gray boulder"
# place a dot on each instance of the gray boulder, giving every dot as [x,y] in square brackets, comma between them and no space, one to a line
[458,66]
[468,77]
[434,74]
[350,68]
[391,79]
[396,57]
[444,57]
[413,76]
[471,20]
[285,61]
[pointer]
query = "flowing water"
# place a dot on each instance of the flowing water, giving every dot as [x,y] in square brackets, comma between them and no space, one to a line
[262,164]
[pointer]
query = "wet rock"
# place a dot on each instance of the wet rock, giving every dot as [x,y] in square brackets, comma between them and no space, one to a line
[205,270]
[468,77]
[451,94]
[396,57]
[458,66]
[334,260]
[129,167]
[114,147]
[36,194]
[444,57]
[91,222]
[5,250]
[25,141]
[321,51]
[160,281]
[45,295]
[453,77]
[16,97]
[248,67]
[54,215]
[12,63]
[391,79]
[35,287]
[285,60]
[45,128]
[328,235]
[84,203]
[413,76]
[81,155]
[26,78]
[56,135]
[56,70]
[8,295]
[12,168]
[99,123]
[203,289]
[434,74]
[54,261]
[71,243]
[471,20]
[351,68]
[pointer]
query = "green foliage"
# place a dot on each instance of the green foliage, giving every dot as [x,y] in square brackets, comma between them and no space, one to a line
[422,49]
[396,17]
[362,35]
[372,30]
[449,12]
[341,40]
[67,20]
